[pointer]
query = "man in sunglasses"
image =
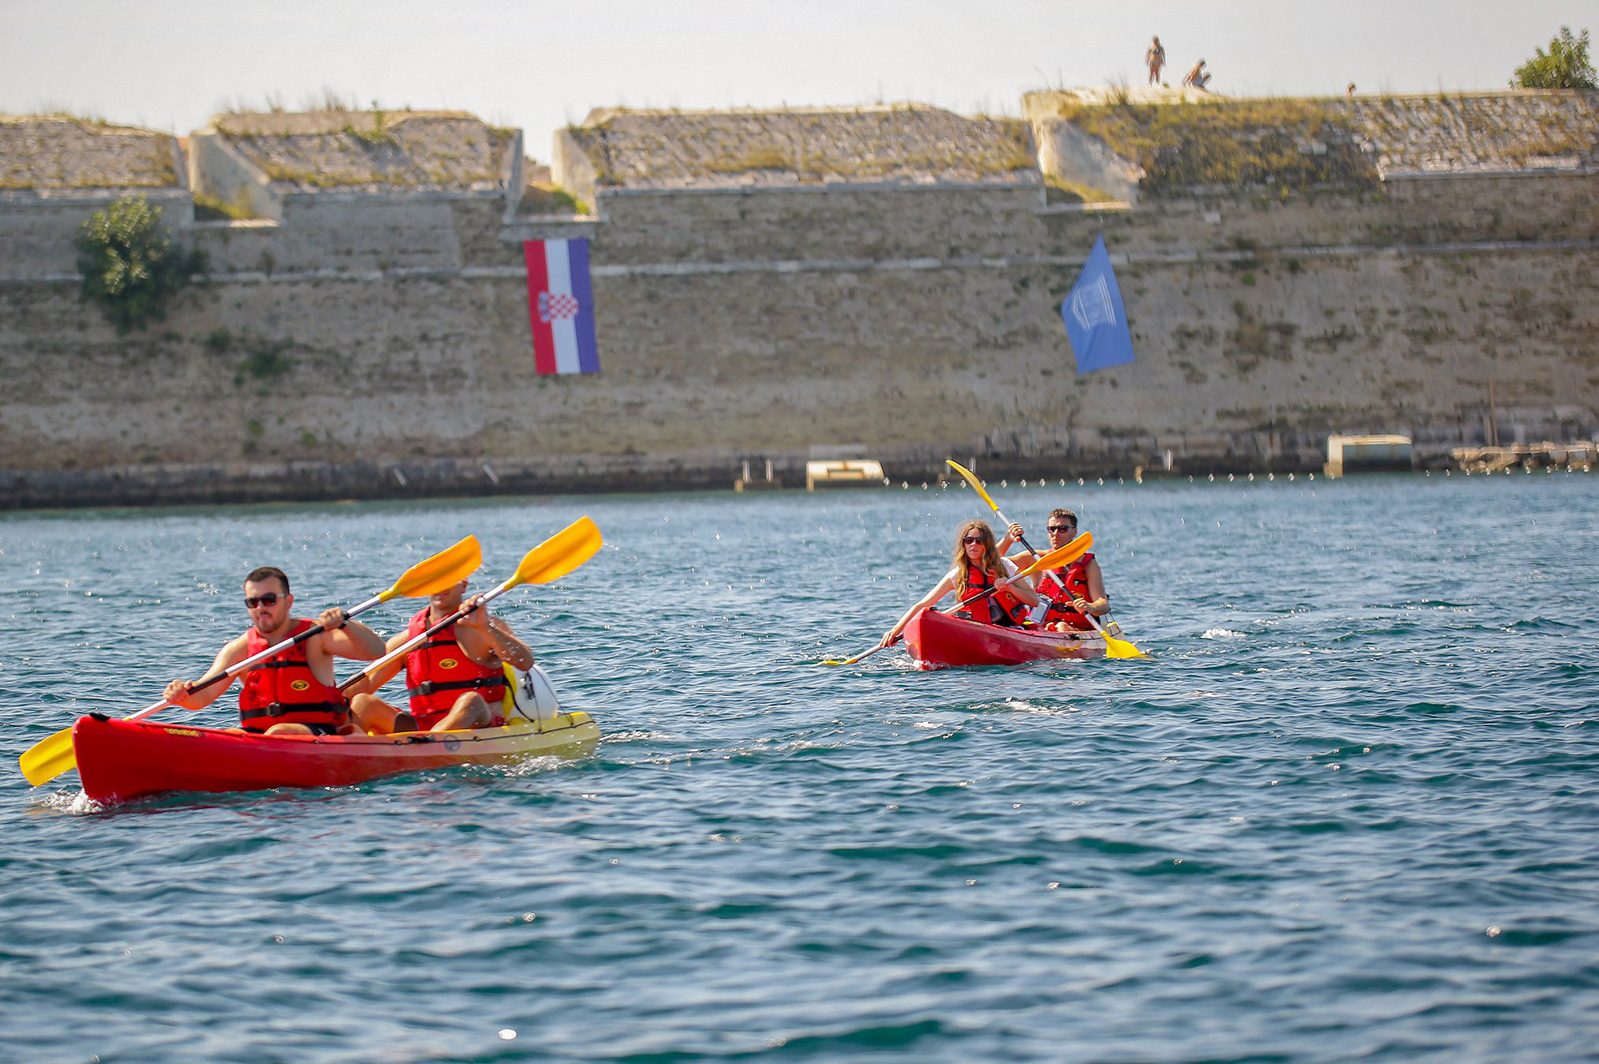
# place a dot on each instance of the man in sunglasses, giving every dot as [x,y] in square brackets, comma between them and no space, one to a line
[294,693]
[1072,592]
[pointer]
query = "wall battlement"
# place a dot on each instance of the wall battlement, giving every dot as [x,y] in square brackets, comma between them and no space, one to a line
[54,154]
[375,339]
[372,151]
[895,144]
[1168,142]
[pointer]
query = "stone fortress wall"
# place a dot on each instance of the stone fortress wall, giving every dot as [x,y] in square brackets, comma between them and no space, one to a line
[769,283]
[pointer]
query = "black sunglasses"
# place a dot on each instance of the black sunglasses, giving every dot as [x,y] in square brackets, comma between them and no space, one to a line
[269,599]
[1061,528]
[974,539]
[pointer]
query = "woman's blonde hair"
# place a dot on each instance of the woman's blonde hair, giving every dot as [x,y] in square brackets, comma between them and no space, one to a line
[991,564]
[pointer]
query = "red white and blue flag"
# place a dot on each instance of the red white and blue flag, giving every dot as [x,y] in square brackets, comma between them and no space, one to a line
[560,304]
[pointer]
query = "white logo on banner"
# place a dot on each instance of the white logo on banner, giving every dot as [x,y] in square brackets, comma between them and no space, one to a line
[1091,304]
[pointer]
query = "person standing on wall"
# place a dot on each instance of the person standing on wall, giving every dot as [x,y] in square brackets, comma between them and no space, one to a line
[1155,58]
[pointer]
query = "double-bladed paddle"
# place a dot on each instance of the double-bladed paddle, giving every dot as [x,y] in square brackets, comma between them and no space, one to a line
[1114,648]
[49,758]
[550,560]
[1063,555]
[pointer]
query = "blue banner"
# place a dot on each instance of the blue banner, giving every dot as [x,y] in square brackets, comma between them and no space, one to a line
[1096,321]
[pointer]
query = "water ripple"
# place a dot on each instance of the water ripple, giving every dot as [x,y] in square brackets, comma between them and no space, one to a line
[1348,809]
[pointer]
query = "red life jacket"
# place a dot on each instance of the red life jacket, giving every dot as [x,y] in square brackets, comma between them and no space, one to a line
[1002,607]
[283,690]
[1075,577]
[438,671]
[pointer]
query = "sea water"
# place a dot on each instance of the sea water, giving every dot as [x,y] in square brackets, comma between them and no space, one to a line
[1349,808]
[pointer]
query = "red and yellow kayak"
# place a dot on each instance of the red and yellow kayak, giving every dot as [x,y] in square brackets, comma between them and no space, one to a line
[939,641]
[120,760]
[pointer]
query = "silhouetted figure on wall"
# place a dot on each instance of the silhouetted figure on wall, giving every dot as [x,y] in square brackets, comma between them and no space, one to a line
[1155,58]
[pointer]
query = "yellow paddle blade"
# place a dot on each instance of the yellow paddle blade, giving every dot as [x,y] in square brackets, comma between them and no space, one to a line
[449,566]
[558,555]
[1060,555]
[1121,648]
[48,758]
[971,478]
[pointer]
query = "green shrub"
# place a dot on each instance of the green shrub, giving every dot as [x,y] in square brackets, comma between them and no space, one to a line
[1564,66]
[266,360]
[209,208]
[552,199]
[129,265]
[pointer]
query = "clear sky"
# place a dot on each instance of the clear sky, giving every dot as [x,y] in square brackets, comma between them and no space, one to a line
[170,64]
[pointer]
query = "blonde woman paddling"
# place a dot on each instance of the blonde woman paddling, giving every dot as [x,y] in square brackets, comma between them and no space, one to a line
[978,566]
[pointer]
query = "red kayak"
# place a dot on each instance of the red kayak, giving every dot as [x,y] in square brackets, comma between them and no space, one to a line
[939,641]
[119,760]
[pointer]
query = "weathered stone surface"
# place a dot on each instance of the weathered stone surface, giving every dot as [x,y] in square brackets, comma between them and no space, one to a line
[56,153]
[373,151]
[907,144]
[1478,132]
[369,334]
[1146,132]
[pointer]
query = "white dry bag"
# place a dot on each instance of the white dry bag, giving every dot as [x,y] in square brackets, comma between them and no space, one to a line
[532,696]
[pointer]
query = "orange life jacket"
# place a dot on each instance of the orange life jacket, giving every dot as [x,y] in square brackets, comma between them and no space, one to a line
[1075,577]
[1002,607]
[283,690]
[438,671]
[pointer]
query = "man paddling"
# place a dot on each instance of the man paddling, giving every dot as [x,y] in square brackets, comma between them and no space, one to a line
[456,679]
[1071,591]
[294,693]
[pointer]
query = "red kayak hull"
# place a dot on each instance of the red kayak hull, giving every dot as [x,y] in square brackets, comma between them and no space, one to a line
[120,760]
[940,641]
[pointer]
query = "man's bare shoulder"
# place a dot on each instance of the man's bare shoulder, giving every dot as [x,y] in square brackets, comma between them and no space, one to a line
[233,650]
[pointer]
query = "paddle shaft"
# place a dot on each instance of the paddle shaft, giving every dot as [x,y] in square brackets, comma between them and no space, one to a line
[1023,540]
[862,656]
[550,560]
[999,585]
[50,757]
[1089,617]
[977,485]
[432,630]
[1069,552]
[255,659]
[958,606]
[1061,555]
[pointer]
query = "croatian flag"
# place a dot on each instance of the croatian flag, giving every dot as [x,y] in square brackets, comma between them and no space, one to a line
[1096,321]
[560,304]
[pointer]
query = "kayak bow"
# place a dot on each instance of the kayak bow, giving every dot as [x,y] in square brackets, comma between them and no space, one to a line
[938,640]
